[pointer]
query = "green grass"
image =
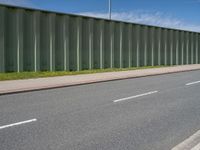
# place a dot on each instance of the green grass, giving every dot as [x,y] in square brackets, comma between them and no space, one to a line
[31,75]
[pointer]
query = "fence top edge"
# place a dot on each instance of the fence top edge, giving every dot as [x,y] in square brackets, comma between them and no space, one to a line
[90,17]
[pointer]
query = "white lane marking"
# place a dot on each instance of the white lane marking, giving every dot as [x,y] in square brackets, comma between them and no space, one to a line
[18,123]
[136,96]
[197,147]
[196,82]
[189,143]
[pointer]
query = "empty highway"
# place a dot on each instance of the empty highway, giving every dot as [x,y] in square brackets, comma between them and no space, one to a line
[149,113]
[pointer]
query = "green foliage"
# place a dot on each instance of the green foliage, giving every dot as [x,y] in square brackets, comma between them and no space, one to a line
[31,75]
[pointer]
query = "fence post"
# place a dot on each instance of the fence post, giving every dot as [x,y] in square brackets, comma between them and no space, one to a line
[171,47]
[121,46]
[145,45]
[130,45]
[79,43]
[101,44]
[177,47]
[187,48]
[152,46]
[197,47]
[138,45]
[19,38]
[36,30]
[91,36]
[112,41]
[192,48]
[2,40]
[52,41]
[159,46]
[66,42]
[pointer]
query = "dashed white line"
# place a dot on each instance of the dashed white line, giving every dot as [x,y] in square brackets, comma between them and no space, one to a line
[189,144]
[197,147]
[18,123]
[136,96]
[196,82]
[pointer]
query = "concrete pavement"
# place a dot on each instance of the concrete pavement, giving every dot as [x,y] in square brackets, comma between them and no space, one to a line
[87,117]
[7,87]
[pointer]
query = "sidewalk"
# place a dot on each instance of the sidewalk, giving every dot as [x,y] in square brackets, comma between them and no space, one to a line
[16,86]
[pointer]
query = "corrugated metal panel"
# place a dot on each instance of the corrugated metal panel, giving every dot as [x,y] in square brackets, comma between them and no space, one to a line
[34,40]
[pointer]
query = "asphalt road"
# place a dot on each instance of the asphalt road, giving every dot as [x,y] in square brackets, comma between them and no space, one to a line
[149,113]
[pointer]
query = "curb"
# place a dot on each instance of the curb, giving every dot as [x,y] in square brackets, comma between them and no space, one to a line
[86,83]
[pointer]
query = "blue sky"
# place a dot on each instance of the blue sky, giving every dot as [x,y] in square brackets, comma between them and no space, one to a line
[183,14]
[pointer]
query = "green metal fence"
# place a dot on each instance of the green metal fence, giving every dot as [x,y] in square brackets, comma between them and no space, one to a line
[35,40]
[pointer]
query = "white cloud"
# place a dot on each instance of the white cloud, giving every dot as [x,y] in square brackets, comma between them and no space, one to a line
[150,18]
[26,3]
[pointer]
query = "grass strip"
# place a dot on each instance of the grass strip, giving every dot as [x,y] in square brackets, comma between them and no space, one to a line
[32,75]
